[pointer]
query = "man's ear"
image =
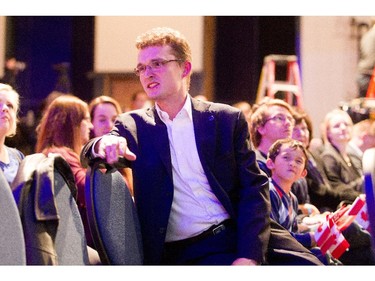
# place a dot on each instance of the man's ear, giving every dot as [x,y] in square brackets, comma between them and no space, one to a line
[304,173]
[261,130]
[270,163]
[187,68]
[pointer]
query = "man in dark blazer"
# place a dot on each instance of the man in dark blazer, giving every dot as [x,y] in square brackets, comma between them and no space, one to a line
[200,196]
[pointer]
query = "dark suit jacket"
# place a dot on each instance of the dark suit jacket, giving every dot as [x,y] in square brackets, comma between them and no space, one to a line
[223,144]
[355,157]
[342,177]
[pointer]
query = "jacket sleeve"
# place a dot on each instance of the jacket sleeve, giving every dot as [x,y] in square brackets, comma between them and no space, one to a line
[86,154]
[254,203]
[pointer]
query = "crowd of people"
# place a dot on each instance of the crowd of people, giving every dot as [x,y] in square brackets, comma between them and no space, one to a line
[213,184]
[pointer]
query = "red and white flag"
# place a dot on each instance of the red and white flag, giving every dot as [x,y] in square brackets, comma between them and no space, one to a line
[329,238]
[336,244]
[357,205]
[359,211]
[322,233]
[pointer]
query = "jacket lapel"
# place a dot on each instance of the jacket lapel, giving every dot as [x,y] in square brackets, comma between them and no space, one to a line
[161,143]
[205,133]
[204,130]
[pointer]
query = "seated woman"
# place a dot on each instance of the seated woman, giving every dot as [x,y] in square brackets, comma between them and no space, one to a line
[320,192]
[337,163]
[104,111]
[64,129]
[10,158]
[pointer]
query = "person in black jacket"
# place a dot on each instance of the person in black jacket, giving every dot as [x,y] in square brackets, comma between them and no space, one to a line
[200,196]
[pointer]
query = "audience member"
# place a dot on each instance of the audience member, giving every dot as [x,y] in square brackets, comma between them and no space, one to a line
[10,158]
[164,67]
[200,196]
[337,163]
[271,120]
[320,193]
[287,159]
[103,112]
[363,138]
[301,191]
[25,139]
[63,129]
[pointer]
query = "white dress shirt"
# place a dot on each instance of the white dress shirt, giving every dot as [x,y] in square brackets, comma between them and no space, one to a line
[195,207]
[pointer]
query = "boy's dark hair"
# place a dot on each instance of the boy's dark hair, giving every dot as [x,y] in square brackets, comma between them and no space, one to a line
[274,150]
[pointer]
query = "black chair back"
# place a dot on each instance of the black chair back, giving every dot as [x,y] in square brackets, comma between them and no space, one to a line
[12,244]
[44,190]
[112,217]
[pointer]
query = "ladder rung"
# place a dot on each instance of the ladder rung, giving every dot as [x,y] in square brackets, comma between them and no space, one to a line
[268,85]
[280,58]
[285,88]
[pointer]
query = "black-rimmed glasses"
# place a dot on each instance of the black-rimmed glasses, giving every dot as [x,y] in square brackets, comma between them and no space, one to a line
[154,65]
[281,118]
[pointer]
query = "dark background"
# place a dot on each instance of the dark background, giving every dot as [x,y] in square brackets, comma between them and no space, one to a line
[68,41]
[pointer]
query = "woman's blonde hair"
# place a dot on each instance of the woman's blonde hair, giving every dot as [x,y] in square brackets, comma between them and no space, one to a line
[327,120]
[5,88]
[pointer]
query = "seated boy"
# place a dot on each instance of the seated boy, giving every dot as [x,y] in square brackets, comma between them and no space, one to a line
[287,160]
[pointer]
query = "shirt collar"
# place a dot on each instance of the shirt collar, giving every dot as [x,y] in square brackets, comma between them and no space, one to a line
[186,108]
[279,190]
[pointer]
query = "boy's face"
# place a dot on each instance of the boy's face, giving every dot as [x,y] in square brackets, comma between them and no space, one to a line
[289,165]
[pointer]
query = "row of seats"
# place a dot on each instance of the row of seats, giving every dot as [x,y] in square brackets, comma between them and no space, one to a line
[109,202]
[12,244]
[41,223]
[42,226]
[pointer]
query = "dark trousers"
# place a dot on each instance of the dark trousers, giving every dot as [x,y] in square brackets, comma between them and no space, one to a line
[219,249]
[360,251]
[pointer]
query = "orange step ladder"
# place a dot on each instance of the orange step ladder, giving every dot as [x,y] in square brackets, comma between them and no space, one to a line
[371,86]
[292,88]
